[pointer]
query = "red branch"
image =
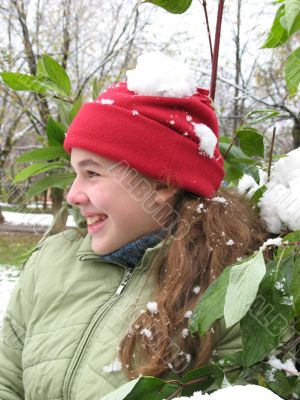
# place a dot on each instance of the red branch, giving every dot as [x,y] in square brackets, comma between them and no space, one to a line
[216,50]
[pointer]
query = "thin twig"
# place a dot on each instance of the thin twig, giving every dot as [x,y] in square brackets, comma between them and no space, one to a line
[216,50]
[204,4]
[271,153]
[231,144]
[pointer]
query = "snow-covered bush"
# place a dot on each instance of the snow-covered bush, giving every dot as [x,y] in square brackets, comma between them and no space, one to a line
[280,203]
[248,392]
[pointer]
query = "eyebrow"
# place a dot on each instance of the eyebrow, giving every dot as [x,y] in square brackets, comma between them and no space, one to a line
[89,162]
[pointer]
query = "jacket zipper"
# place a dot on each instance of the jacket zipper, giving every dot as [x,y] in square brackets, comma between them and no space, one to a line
[124,282]
[93,324]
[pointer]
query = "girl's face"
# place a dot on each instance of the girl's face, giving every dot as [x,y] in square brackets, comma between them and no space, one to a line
[118,202]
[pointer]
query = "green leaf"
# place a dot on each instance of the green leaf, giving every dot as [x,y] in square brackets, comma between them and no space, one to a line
[55,132]
[235,151]
[244,280]
[248,161]
[279,384]
[292,72]
[232,173]
[43,154]
[213,374]
[49,68]
[18,81]
[258,194]
[269,316]
[257,116]
[173,6]
[75,108]
[251,141]
[60,181]
[278,34]
[122,391]
[64,111]
[211,305]
[236,170]
[295,289]
[146,388]
[36,169]
[292,10]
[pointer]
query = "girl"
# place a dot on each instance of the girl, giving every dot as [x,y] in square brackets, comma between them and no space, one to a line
[96,308]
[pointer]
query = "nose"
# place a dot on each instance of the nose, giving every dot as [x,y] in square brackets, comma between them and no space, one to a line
[76,195]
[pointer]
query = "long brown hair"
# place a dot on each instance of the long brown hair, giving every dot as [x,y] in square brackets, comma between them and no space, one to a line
[220,231]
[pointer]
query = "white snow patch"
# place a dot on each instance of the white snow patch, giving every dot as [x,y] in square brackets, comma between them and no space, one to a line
[248,186]
[271,242]
[279,285]
[107,101]
[152,307]
[8,278]
[188,314]
[280,204]
[207,139]
[219,199]
[287,300]
[247,392]
[159,75]
[115,366]
[196,289]
[200,208]
[230,242]
[185,332]
[146,332]
[20,218]
[288,366]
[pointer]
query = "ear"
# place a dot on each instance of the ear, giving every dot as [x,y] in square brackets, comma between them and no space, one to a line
[164,192]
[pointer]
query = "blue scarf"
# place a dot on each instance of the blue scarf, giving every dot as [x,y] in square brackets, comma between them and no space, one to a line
[131,253]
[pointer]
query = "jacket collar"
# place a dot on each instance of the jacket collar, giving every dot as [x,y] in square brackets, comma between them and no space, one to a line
[85,252]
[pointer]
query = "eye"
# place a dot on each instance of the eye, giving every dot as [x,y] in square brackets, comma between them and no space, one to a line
[92,174]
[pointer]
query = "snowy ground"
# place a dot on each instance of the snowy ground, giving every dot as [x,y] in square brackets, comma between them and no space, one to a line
[18,218]
[8,277]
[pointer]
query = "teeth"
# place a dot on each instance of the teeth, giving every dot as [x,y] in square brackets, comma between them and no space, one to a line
[95,218]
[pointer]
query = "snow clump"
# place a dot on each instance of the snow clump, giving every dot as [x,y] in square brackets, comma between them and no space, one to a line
[207,139]
[247,392]
[219,199]
[147,333]
[288,366]
[159,75]
[248,186]
[271,242]
[115,366]
[188,314]
[280,204]
[152,307]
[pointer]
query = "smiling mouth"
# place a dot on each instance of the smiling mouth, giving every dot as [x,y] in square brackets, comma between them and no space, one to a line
[95,219]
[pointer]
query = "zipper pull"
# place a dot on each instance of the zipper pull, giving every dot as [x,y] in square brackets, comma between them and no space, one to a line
[124,282]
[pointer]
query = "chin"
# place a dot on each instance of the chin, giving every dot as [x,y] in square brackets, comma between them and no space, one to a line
[102,249]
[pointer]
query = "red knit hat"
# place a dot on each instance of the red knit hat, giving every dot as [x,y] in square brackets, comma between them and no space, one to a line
[168,138]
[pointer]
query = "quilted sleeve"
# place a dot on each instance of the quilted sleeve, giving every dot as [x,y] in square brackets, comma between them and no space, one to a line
[13,332]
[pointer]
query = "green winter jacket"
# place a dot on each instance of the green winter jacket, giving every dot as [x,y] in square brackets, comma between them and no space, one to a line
[66,317]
